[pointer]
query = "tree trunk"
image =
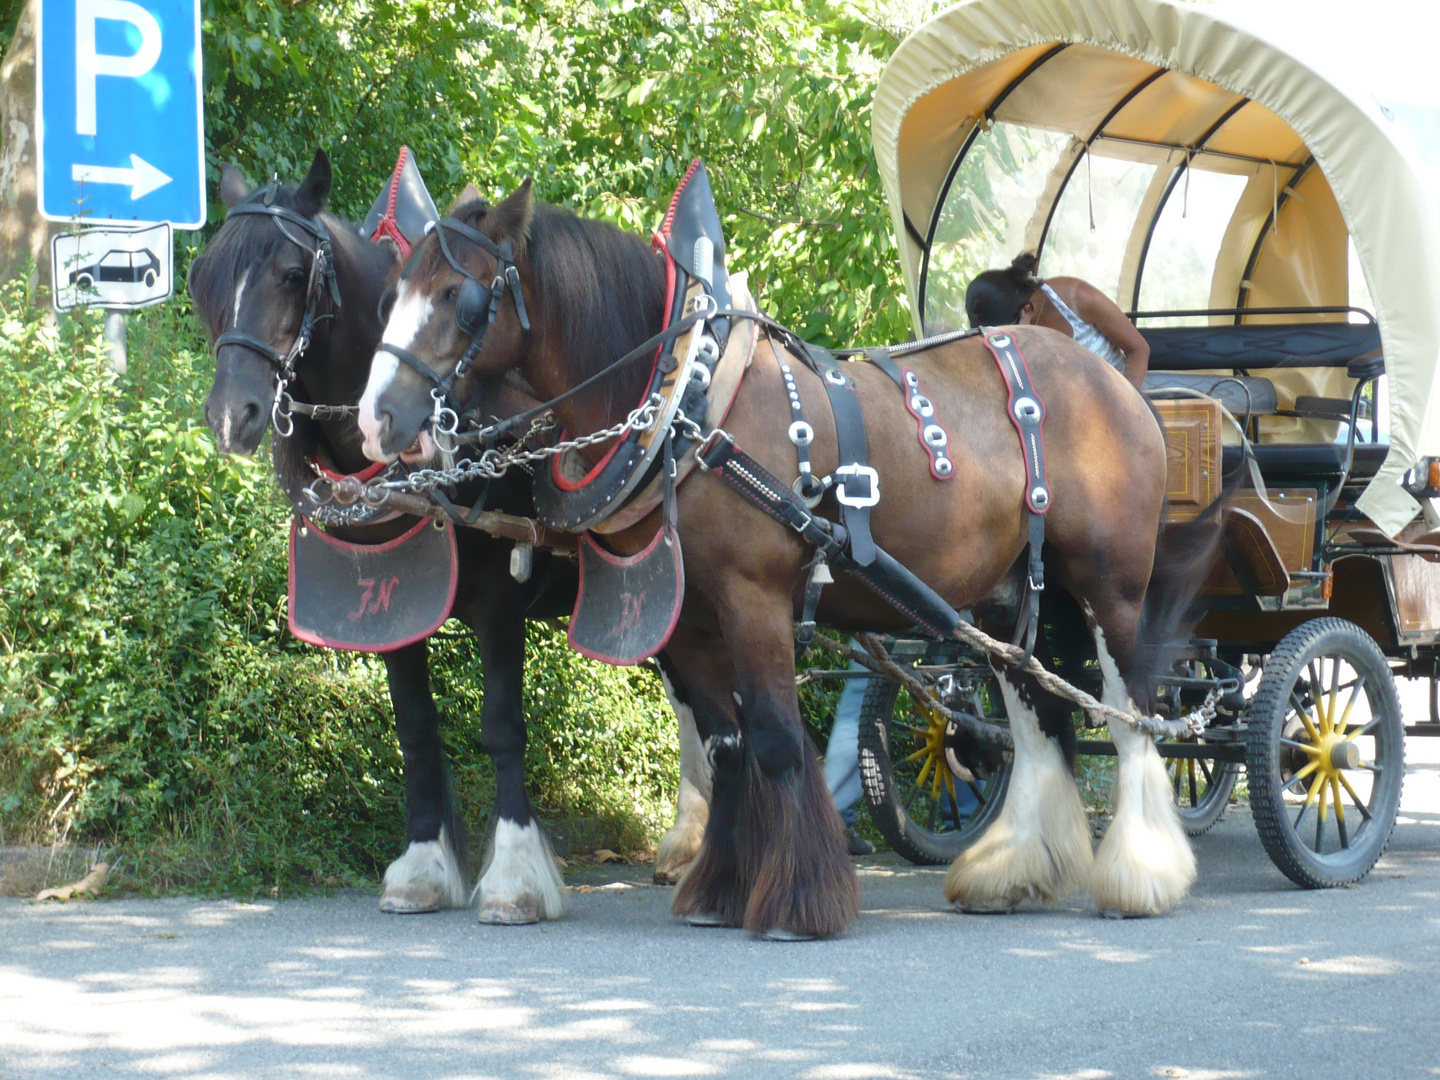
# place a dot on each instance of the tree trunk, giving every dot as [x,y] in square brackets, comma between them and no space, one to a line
[24,234]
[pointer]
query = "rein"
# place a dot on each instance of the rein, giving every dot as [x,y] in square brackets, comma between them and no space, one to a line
[322,277]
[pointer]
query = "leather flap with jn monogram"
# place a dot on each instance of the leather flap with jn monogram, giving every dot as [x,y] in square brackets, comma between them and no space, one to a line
[371,597]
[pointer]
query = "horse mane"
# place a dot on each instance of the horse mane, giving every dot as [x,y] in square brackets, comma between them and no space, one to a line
[603,287]
[248,240]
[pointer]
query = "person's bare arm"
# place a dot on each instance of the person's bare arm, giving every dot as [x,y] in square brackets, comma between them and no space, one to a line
[1105,315]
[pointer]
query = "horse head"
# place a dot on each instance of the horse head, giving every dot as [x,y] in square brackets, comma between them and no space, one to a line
[269,288]
[457,319]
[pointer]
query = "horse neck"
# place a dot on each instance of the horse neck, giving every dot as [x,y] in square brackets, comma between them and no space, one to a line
[552,370]
[341,350]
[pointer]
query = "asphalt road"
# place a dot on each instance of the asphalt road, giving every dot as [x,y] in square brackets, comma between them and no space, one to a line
[1250,978]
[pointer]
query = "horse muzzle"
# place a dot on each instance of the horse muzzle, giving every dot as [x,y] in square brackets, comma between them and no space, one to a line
[236,419]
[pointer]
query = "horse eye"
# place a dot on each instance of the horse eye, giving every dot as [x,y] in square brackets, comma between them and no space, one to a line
[451,293]
[295,275]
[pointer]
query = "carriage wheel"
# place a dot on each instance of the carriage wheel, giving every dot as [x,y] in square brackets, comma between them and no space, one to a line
[931,791]
[1326,754]
[1202,789]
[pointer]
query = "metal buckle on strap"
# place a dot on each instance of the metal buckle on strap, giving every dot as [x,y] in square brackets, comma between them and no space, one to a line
[864,481]
[709,446]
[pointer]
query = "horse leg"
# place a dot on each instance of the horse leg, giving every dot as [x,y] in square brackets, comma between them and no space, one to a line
[712,891]
[429,875]
[1145,864]
[1038,848]
[681,842]
[520,881]
[790,842]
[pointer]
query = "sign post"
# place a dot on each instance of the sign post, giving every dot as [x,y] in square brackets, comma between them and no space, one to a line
[120,141]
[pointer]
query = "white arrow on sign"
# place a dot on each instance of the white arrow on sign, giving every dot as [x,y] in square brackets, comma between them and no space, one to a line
[142,178]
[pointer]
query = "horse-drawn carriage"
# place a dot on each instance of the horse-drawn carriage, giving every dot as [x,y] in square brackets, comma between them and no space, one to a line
[1275,246]
[717,470]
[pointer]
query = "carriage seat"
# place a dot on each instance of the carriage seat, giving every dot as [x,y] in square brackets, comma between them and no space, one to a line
[1258,346]
[1310,459]
[1241,394]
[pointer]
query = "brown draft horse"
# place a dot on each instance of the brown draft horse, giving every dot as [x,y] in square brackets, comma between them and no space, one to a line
[773,859]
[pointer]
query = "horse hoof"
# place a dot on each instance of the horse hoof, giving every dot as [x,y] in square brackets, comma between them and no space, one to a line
[779,933]
[670,875]
[1113,913]
[704,918]
[983,909]
[520,912]
[411,900]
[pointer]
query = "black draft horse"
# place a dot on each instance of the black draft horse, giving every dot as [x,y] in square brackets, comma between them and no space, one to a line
[773,858]
[252,278]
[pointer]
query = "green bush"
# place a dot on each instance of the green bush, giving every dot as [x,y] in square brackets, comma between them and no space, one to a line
[151,696]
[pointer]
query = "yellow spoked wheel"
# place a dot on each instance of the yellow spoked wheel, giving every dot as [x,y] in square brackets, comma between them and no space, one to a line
[1325,754]
[931,791]
[1202,789]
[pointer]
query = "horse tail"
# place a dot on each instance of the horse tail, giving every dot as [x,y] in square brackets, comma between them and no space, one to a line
[1185,552]
[453,821]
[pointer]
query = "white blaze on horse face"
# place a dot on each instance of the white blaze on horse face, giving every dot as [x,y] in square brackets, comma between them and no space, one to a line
[407,319]
[239,292]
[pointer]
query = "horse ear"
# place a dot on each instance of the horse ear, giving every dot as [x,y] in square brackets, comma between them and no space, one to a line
[469,195]
[513,214]
[233,185]
[314,190]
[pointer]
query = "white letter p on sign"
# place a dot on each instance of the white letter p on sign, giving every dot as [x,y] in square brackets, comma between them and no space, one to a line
[89,64]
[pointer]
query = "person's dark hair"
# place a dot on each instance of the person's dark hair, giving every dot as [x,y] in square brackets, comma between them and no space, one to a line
[996,297]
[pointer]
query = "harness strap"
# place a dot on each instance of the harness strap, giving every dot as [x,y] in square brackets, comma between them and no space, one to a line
[1027,413]
[413,362]
[894,584]
[254,344]
[880,357]
[807,485]
[857,485]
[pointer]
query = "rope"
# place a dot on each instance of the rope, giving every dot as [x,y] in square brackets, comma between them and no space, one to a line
[878,660]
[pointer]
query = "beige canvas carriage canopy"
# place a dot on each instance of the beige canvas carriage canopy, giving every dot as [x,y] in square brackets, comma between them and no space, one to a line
[1180,90]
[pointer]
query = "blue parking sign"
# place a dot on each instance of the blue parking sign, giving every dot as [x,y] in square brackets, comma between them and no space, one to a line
[118,98]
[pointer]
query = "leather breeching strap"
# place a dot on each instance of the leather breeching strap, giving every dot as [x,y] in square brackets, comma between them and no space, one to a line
[1027,413]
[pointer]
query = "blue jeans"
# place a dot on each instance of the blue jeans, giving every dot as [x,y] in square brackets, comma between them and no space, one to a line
[842,756]
[842,752]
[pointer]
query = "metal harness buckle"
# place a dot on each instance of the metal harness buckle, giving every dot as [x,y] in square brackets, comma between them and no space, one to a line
[870,485]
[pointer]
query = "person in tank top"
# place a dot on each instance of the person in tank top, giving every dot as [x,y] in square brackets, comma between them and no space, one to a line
[1071,306]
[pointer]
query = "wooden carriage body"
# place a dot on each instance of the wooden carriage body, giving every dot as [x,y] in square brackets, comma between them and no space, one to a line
[1266,221]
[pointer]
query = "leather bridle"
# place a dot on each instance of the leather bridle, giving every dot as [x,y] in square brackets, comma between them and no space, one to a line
[475,309]
[322,279]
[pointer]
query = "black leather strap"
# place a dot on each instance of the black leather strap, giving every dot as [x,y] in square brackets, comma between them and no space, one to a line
[854,454]
[880,357]
[414,363]
[254,344]
[894,584]
[1027,413]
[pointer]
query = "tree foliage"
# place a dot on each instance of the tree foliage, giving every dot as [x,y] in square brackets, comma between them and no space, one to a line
[603,104]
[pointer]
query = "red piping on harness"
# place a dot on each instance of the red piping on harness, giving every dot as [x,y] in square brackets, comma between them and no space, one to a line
[657,243]
[388,226]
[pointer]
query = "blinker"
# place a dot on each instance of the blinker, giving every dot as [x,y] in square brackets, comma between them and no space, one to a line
[472,307]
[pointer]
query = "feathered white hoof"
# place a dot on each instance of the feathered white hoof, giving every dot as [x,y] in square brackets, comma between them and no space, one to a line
[1039,852]
[1145,865]
[520,882]
[426,878]
[1039,846]
[681,843]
